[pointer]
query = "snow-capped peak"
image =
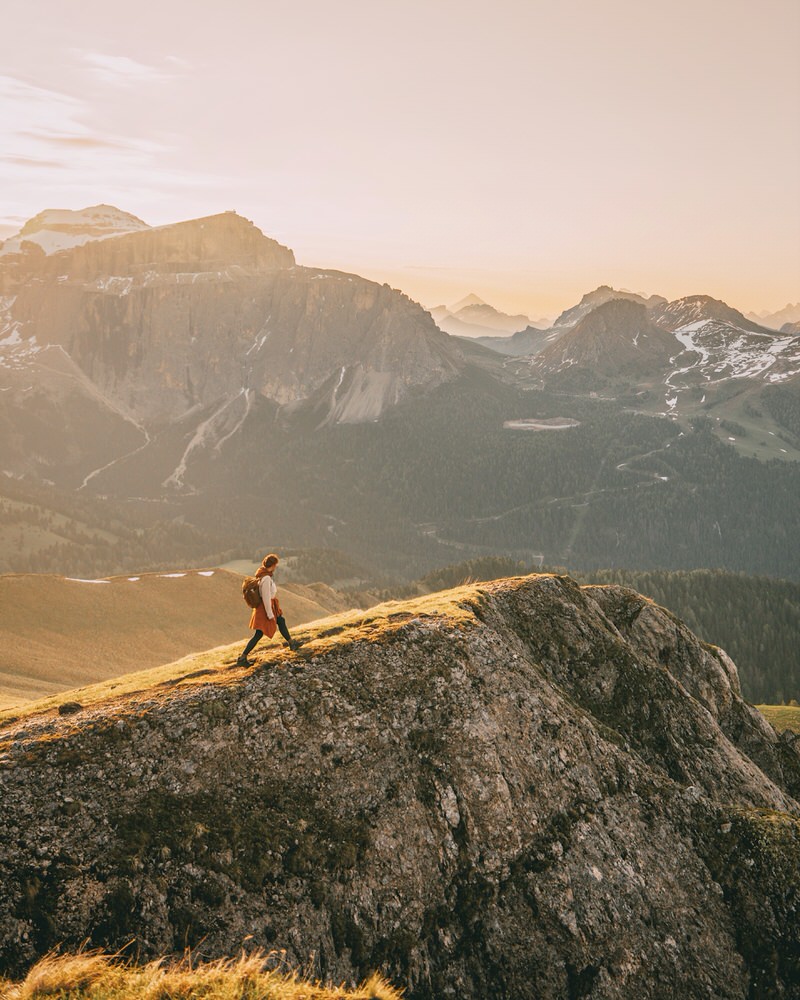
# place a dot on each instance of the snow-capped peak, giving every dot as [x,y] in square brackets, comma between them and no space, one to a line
[57,229]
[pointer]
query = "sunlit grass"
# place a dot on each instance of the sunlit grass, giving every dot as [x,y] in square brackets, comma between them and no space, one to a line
[95,976]
[782,716]
[218,665]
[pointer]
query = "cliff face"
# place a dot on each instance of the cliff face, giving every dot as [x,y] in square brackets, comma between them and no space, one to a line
[519,789]
[194,322]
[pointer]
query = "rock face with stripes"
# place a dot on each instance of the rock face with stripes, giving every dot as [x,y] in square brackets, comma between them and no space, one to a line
[518,789]
[190,325]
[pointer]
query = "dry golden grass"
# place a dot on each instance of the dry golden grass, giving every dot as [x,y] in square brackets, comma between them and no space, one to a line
[217,666]
[58,634]
[95,976]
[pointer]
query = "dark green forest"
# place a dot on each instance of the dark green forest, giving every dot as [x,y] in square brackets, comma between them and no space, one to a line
[436,481]
[441,479]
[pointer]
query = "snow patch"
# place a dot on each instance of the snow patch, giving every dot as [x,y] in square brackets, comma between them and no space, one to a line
[204,435]
[13,337]
[114,284]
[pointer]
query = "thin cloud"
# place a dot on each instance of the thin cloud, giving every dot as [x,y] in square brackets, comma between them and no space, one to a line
[31,106]
[73,141]
[28,161]
[50,148]
[47,129]
[121,71]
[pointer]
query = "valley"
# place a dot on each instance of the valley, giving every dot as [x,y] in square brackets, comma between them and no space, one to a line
[199,368]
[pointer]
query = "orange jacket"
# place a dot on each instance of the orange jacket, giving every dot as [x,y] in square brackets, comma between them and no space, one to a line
[259,618]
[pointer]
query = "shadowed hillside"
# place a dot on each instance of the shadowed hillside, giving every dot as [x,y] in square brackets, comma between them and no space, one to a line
[517,789]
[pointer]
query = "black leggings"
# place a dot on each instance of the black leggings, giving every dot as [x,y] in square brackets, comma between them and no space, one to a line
[258,635]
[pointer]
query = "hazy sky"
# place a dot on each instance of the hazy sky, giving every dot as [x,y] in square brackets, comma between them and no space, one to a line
[526,150]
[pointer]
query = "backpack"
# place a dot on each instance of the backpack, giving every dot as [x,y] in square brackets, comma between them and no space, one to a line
[251,592]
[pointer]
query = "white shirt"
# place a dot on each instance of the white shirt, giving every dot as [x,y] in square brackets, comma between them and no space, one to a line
[268,589]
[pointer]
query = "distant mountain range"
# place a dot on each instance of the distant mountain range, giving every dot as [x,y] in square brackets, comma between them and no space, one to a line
[789,315]
[474,318]
[681,358]
[197,374]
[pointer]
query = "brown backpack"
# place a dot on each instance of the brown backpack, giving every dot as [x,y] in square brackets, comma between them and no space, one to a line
[251,591]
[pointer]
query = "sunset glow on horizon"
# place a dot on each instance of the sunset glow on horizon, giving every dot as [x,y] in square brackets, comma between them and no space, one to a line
[520,150]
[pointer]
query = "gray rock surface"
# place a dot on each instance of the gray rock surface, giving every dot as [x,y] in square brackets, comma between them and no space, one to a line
[517,789]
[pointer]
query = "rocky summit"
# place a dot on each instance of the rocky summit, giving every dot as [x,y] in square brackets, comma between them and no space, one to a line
[517,789]
[615,337]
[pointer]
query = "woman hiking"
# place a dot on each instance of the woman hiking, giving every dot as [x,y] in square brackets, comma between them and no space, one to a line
[268,615]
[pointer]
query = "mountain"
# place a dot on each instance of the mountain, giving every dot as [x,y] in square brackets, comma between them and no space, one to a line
[469,300]
[100,628]
[601,295]
[472,317]
[536,337]
[169,337]
[613,340]
[777,320]
[58,229]
[702,309]
[690,357]
[723,347]
[523,788]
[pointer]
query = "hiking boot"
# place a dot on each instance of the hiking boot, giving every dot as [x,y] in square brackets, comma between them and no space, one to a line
[244,662]
[294,645]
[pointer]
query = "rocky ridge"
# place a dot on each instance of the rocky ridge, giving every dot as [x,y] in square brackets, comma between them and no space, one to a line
[516,789]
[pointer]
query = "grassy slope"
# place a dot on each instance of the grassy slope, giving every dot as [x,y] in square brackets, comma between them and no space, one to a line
[57,633]
[782,716]
[218,665]
[97,977]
